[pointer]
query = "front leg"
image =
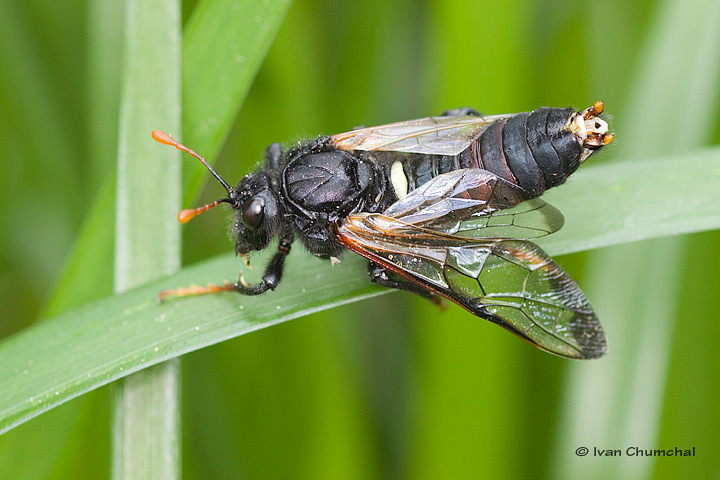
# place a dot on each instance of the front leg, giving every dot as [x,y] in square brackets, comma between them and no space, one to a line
[386,278]
[270,279]
[273,272]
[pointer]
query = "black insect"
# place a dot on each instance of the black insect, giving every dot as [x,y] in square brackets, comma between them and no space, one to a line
[440,206]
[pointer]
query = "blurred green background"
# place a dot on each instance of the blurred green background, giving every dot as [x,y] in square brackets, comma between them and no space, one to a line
[392,387]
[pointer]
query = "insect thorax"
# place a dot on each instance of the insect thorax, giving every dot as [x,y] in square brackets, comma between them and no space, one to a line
[324,187]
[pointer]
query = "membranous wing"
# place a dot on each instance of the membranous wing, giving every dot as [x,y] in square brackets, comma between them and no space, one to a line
[448,135]
[480,260]
[473,203]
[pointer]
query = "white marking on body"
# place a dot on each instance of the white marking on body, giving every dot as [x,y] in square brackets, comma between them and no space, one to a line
[399,179]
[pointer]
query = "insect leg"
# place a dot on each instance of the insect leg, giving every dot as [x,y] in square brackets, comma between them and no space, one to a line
[273,155]
[273,272]
[460,112]
[386,278]
[270,280]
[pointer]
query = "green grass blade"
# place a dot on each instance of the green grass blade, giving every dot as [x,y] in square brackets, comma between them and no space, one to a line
[224,44]
[618,403]
[392,388]
[111,338]
[666,200]
[146,427]
[205,74]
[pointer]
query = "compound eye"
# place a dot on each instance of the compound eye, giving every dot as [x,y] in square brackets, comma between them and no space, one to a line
[252,212]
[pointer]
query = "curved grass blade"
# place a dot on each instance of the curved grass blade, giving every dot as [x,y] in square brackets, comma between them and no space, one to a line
[81,350]
[57,360]
[670,195]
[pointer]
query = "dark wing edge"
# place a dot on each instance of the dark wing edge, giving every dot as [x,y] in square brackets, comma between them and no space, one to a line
[513,283]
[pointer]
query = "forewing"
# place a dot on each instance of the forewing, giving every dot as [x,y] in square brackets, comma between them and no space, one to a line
[448,135]
[473,204]
[513,283]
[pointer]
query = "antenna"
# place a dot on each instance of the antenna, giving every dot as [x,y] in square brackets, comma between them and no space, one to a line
[185,215]
[162,137]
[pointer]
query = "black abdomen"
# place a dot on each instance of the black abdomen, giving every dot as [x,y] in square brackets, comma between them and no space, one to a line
[534,150]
